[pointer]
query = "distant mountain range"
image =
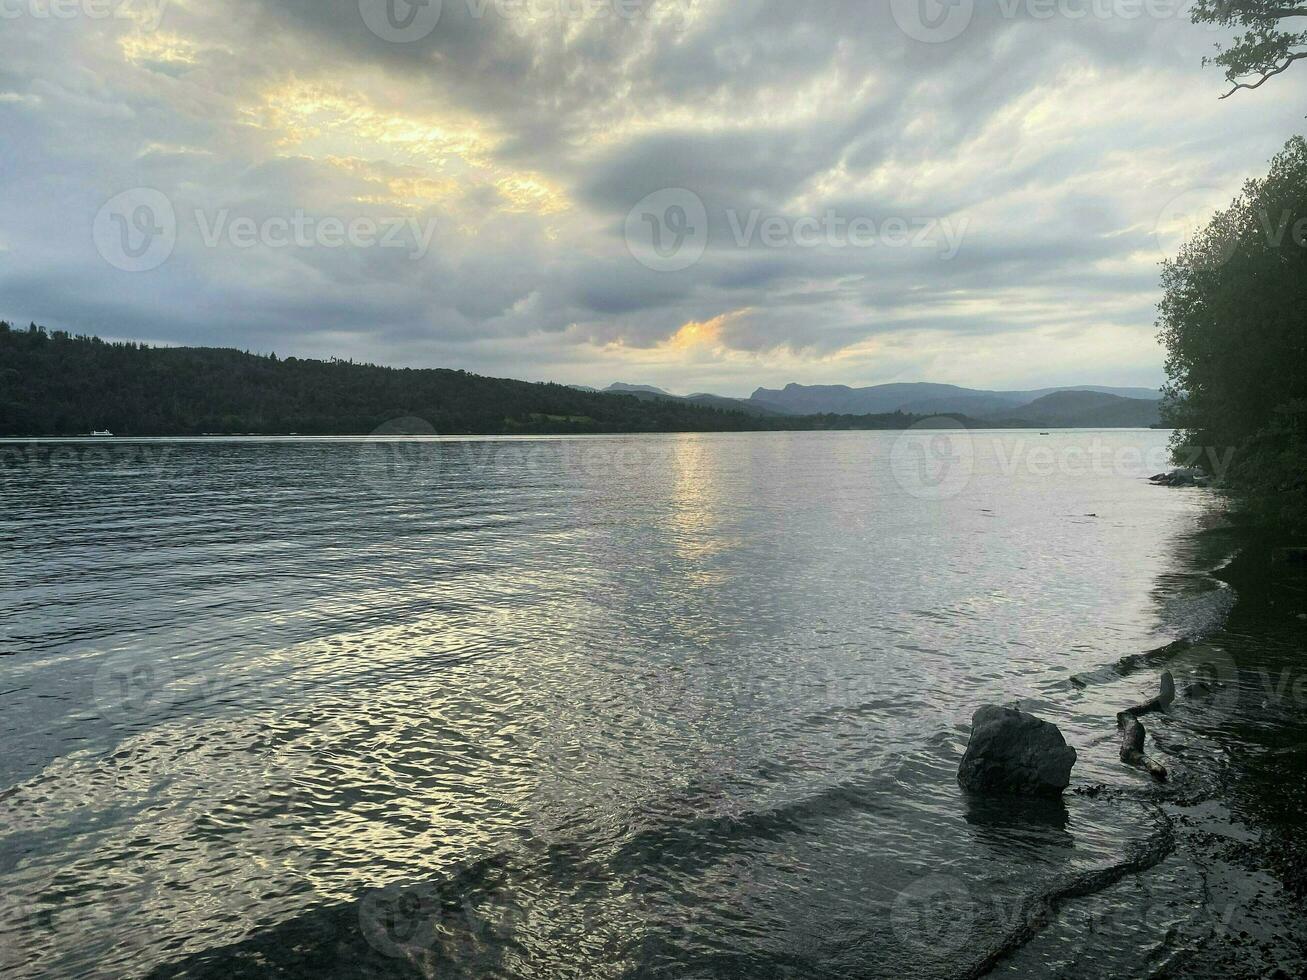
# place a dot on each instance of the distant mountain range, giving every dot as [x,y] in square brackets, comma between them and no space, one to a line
[746,405]
[1081,406]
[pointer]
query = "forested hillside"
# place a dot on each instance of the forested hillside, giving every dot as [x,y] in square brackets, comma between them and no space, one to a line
[52,383]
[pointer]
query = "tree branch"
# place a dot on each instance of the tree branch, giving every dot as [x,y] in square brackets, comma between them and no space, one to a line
[1266,77]
[1275,14]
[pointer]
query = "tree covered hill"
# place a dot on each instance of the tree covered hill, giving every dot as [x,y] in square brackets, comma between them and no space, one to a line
[1086,408]
[53,383]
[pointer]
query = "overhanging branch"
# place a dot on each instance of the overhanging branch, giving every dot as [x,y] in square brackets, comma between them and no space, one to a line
[1267,76]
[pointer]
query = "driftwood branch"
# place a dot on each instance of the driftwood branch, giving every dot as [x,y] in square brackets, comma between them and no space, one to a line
[1164,698]
[1132,746]
[1133,733]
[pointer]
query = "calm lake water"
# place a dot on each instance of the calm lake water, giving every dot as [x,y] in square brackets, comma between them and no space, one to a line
[683,706]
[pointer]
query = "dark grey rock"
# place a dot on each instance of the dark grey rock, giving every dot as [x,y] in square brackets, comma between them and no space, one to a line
[1182,478]
[1013,752]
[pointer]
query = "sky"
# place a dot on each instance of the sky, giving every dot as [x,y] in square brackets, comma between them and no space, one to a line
[705,195]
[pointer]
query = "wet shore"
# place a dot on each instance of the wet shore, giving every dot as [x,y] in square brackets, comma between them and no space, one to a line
[1220,887]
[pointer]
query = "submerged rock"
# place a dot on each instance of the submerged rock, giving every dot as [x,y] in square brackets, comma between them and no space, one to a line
[1013,752]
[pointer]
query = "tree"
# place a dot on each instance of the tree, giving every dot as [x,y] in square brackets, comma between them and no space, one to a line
[1233,320]
[1265,48]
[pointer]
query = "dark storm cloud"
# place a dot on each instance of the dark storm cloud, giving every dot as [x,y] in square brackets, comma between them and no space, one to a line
[514,139]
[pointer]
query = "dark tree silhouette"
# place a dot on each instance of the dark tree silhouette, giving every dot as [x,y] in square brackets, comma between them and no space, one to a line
[58,384]
[1271,40]
[1233,319]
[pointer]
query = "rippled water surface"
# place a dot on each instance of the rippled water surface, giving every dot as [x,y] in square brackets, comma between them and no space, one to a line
[684,706]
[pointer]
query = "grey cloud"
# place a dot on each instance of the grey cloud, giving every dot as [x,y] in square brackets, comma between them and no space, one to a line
[809,107]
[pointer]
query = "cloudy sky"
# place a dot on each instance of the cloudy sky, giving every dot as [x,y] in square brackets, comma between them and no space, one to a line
[701,194]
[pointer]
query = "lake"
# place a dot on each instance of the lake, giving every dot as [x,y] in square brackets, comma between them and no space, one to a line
[683,706]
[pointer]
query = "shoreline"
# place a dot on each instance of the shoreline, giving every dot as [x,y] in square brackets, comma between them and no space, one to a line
[1227,845]
[923,422]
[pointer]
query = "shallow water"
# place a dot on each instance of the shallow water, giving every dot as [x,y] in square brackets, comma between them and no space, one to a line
[653,705]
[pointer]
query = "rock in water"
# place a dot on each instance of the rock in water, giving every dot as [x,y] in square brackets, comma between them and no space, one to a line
[1014,752]
[1182,478]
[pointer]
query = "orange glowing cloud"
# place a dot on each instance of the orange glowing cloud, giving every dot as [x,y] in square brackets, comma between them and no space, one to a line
[705,333]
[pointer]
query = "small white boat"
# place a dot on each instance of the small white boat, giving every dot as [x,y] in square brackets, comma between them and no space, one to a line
[102,434]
